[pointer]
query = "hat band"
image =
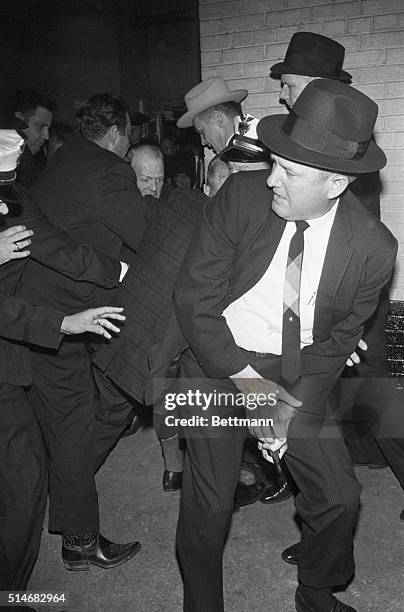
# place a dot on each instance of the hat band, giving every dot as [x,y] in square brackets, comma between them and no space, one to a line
[316,138]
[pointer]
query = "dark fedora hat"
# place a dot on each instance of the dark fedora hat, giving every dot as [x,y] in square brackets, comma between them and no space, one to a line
[329,127]
[311,54]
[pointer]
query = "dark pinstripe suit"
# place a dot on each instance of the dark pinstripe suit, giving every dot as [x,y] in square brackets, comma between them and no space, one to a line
[237,240]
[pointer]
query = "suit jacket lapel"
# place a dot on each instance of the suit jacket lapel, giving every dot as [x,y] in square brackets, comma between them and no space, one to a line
[338,254]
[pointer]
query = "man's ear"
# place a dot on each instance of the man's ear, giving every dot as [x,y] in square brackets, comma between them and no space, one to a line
[219,118]
[337,185]
[112,134]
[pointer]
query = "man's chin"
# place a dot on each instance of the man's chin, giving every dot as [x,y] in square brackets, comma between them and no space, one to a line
[35,149]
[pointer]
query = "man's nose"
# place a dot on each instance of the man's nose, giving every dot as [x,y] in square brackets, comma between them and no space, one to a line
[284,95]
[273,177]
[45,133]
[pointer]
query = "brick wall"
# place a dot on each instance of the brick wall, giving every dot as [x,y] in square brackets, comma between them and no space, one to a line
[241,39]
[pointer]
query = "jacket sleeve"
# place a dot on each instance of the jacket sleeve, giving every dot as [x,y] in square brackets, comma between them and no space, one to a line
[323,362]
[56,250]
[29,324]
[203,284]
[121,206]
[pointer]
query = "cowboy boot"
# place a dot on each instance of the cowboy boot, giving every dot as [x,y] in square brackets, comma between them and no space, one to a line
[84,549]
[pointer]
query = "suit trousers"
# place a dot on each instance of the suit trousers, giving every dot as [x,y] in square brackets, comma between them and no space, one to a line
[211,470]
[317,458]
[81,422]
[78,432]
[23,486]
[114,414]
[64,399]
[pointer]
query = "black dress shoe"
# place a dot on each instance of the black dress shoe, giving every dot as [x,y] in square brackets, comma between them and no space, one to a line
[84,549]
[247,494]
[303,606]
[172,481]
[292,554]
[402,515]
[276,492]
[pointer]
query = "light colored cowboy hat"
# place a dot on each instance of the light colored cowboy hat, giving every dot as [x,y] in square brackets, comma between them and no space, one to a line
[207,94]
[329,127]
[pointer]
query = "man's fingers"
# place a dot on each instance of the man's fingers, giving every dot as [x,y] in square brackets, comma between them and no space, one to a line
[17,232]
[21,244]
[103,311]
[112,315]
[362,345]
[21,254]
[101,331]
[108,325]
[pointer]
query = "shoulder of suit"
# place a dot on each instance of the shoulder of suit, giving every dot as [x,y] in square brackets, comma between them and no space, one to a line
[79,148]
[251,188]
[250,177]
[365,222]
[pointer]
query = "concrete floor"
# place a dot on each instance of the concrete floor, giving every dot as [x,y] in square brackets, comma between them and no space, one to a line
[134,506]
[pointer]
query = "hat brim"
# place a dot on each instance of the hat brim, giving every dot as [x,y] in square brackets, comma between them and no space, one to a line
[269,131]
[281,68]
[186,119]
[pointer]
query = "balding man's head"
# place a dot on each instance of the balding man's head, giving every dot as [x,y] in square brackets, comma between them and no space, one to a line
[147,162]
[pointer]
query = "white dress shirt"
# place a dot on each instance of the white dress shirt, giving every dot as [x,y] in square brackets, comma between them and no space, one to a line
[255,319]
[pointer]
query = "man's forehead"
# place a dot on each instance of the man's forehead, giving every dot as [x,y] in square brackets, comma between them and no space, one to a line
[292,79]
[282,161]
[42,115]
[149,164]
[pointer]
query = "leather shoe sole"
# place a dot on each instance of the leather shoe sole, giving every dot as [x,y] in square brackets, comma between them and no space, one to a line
[292,554]
[247,494]
[303,606]
[275,493]
[172,481]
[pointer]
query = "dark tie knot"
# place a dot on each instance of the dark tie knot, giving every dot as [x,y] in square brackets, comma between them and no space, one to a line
[301,226]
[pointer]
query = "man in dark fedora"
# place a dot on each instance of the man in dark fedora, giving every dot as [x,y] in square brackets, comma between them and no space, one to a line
[365,398]
[263,319]
[312,56]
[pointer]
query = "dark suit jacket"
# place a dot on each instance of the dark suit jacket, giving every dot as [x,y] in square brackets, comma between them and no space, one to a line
[26,324]
[236,243]
[146,292]
[92,195]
